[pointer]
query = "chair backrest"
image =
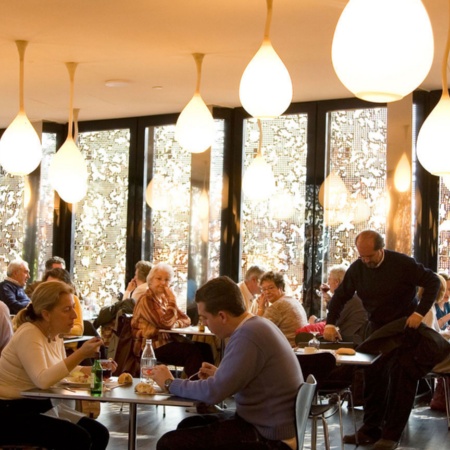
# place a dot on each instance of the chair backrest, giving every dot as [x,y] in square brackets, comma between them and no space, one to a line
[302,338]
[318,364]
[303,403]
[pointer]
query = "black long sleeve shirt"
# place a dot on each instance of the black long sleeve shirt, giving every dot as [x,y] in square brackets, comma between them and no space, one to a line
[387,292]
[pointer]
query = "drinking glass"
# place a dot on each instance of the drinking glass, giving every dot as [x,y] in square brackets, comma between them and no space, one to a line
[106,368]
[314,342]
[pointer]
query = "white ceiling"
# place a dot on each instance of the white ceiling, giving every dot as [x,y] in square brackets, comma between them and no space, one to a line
[150,42]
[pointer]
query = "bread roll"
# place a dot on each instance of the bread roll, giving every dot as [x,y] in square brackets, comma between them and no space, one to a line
[125,378]
[345,351]
[144,388]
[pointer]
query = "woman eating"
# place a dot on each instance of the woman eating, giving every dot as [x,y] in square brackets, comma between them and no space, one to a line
[35,358]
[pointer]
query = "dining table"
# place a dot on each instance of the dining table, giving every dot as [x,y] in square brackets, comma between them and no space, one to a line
[194,330]
[358,359]
[112,393]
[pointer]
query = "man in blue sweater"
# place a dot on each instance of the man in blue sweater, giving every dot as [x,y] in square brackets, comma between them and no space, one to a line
[259,368]
[386,282]
[12,287]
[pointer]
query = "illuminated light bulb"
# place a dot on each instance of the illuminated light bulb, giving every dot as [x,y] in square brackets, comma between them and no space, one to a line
[203,205]
[68,172]
[266,87]
[195,126]
[383,67]
[433,142]
[259,182]
[333,192]
[194,129]
[265,90]
[68,169]
[402,174]
[20,146]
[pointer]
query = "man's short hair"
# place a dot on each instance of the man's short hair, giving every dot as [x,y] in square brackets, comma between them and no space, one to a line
[221,294]
[276,277]
[54,260]
[254,271]
[378,240]
[15,265]
[143,268]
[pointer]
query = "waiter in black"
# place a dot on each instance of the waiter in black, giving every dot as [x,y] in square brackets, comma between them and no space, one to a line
[386,282]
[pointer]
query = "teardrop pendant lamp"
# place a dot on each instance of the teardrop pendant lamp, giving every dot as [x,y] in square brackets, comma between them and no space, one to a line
[266,87]
[20,146]
[433,141]
[194,129]
[258,183]
[68,170]
[383,49]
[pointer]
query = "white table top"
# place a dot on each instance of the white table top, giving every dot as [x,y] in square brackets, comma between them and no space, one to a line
[189,330]
[358,359]
[125,394]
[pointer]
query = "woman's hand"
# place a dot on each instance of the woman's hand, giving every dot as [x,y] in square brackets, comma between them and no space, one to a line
[207,370]
[91,348]
[170,295]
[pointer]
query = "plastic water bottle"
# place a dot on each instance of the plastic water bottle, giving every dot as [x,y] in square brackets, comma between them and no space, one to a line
[97,379]
[148,361]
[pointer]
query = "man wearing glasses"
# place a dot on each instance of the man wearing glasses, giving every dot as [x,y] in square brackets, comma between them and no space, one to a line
[386,282]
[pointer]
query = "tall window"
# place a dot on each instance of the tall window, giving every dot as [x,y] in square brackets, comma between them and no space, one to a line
[101,217]
[354,192]
[272,230]
[182,226]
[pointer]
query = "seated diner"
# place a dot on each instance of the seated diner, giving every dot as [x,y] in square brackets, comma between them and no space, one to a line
[35,358]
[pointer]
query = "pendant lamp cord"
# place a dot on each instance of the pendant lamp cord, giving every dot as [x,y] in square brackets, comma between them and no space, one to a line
[198,61]
[21,46]
[71,67]
[268,20]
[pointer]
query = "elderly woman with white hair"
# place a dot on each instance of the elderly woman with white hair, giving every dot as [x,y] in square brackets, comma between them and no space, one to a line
[157,310]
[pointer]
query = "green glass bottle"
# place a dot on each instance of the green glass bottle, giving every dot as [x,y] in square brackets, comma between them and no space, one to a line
[97,379]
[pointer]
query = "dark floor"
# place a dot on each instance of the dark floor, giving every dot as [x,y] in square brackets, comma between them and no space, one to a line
[427,429]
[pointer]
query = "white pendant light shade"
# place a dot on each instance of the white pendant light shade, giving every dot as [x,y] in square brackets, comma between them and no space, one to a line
[383,66]
[402,174]
[433,142]
[194,129]
[195,126]
[266,87]
[157,194]
[68,169]
[20,147]
[68,172]
[333,193]
[259,182]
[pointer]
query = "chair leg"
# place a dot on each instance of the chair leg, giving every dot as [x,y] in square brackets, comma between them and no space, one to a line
[314,433]
[446,395]
[326,434]
[341,423]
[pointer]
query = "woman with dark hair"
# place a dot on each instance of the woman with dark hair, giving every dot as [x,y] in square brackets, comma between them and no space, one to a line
[35,358]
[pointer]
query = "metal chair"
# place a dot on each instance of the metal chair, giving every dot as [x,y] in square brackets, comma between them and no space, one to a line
[303,404]
[321,365]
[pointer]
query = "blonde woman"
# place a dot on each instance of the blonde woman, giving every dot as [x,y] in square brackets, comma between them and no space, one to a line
[35,358]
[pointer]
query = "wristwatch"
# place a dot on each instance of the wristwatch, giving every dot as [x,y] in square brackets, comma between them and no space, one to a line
[167,383]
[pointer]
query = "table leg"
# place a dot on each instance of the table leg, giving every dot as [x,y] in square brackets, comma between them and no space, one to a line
[132,427]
